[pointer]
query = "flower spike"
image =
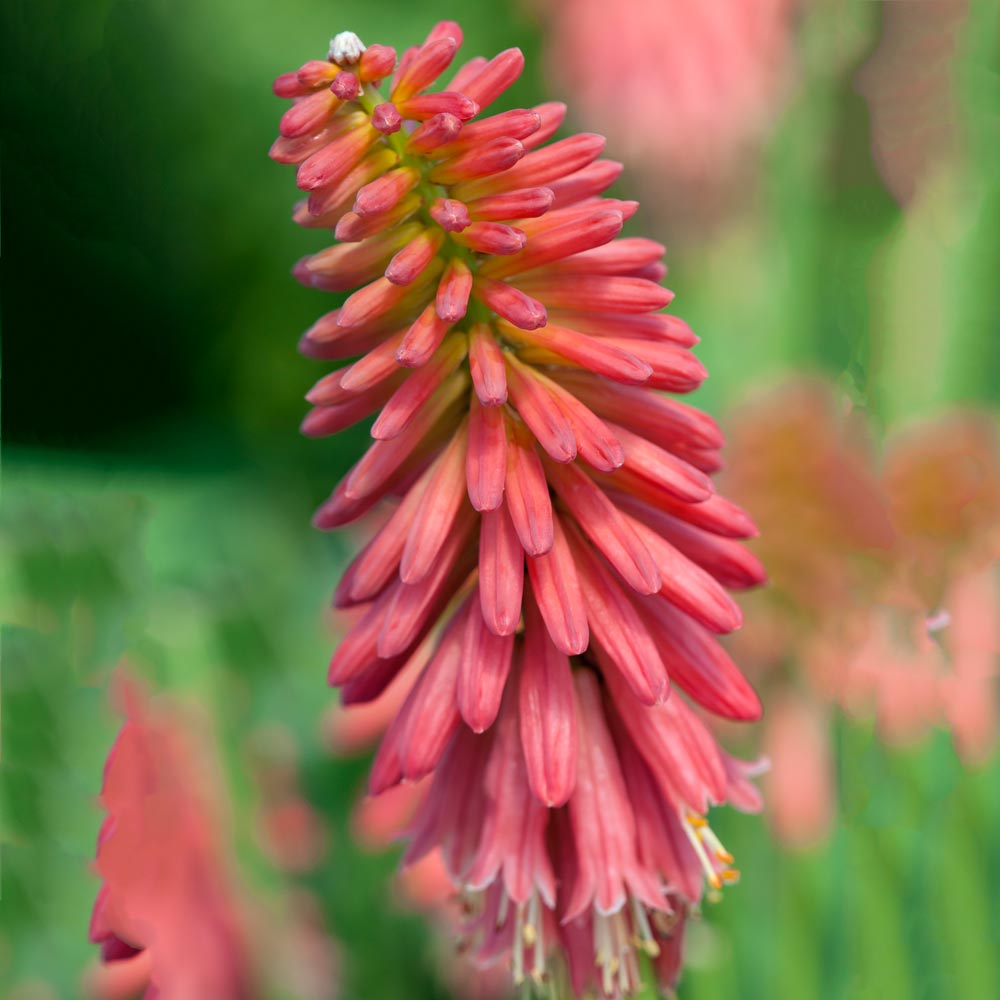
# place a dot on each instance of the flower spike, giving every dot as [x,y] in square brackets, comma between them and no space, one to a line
[546,592]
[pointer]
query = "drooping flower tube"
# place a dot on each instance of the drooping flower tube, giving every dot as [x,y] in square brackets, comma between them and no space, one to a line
[551,578]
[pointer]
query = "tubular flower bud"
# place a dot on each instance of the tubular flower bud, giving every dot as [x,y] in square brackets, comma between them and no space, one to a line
[554,573]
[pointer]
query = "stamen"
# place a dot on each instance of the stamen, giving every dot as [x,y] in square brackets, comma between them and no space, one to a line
[694,836]
[518,945]
[538,962]
[708,835]
[644,936]
[502,909]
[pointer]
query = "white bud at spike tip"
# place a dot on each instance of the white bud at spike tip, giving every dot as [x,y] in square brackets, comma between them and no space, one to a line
[346,48]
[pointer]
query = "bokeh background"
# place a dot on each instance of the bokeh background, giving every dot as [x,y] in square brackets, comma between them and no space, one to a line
[845,222]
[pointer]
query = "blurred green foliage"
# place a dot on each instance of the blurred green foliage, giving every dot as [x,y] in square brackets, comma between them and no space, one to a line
[157,496]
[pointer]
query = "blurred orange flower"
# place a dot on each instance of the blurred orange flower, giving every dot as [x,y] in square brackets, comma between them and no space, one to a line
[884,593]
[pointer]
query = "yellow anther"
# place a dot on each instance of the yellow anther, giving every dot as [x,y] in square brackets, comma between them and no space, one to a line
[648,945]
[529,934]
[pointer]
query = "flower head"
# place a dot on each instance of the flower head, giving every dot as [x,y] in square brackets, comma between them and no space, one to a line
[556,554]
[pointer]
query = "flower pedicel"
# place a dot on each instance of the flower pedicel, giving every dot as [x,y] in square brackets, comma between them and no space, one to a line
[556,562]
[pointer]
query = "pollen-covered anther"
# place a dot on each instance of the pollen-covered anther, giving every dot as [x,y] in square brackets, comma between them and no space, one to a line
[346,48]
[715,860]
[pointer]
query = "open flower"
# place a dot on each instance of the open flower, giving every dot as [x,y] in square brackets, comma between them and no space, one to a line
[556,555]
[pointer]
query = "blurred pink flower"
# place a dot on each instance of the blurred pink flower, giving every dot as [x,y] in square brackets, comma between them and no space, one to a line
[884,584]
[910,83]
[167,887]
[804,464]
[687,91]
[931,654]
[172,919]
[800,785]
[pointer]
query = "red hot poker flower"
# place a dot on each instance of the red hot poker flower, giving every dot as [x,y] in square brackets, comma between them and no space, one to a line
[556,560]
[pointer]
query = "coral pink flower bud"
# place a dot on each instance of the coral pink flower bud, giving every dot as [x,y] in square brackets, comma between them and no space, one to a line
[433,133]
[453,293]
[584,183]
[618,631]
[494,77]
[486,465]
[556,586]
[377,63]
[387,119]
[481,161]
[607,528]
[386,191]
[432,59]
[529,203]
[541,166]
[422,339]
[417,389]
[562,241]
[317,73]
[346,86]
[551,115]
[540,412]
[309,115]
[486,662]
[528,500]
[492,237]
[508,124]
[501,571]
[486,365]
[511,303]
[289,85]
[449,214]
[555,560]
[410,262]
[455,106]
[548,714]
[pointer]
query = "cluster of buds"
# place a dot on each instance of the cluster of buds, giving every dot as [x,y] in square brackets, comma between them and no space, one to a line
[556,560]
